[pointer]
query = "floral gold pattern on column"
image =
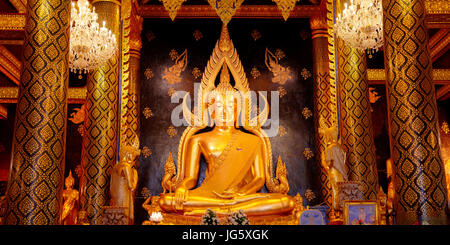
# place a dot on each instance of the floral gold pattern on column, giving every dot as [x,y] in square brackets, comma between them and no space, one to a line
[285,6]
[147,112]
[356,125]
[34,192]
[172,6]
[323,110]
[173,74]
[280,74]
[171,131]
[225,8]
[420,178]
[101,124]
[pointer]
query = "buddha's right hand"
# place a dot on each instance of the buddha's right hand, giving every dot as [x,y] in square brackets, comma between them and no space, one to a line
[181,195]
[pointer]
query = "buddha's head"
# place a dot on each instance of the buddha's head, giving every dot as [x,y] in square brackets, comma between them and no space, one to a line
[224,101]
[128,153]
[70,181]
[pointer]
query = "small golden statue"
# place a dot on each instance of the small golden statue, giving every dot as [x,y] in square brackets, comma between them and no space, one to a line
[124,179]
[239,162]
[70,206]
[333,160]
[391,194]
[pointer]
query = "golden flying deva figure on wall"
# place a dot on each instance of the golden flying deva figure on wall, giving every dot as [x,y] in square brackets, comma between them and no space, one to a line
[239,163]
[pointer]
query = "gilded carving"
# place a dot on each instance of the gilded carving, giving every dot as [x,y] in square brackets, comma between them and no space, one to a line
[280,74]
[172,6]
[173,74]
[147,112]
[307,113]
[281,91]
[171,131]
[256,35]
[196,73]
[197,35]
[148,73]
[305,73]
[225,8]
[285,6]
[255,72]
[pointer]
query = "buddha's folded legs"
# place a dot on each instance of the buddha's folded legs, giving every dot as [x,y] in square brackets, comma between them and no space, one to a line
[254,204]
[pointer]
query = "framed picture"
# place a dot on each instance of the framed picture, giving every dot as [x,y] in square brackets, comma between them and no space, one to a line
[361,213]
[312,217]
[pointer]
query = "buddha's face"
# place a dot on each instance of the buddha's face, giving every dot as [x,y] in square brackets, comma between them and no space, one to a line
[224,109]
[69,183]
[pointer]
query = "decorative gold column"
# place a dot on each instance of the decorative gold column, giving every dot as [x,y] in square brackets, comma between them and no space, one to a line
[322,96]
[420,180]
[101,123]
[34,194]
[356,130]
[133,94]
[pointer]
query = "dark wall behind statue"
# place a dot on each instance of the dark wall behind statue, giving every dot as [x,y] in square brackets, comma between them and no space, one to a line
[293,40]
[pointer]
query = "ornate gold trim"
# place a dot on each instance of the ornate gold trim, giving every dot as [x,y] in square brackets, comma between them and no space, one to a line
[12,22]
[110,1]
[437,7]
[20,5]
[440,76]
[245,11]
[10,94]
[10,65]
[3,112]
[332,60]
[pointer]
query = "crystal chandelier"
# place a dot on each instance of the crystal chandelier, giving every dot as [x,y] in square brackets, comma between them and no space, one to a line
[90,45]
[361,25]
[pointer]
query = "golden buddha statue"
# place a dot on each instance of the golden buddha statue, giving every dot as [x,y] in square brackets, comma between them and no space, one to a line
[124,179]
[239,162]
[390,170]
[71,198]
[333,160]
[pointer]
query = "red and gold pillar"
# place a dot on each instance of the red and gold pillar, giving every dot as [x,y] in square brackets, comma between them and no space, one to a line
[420,179]
[34,193]
[322,95]
[101,122]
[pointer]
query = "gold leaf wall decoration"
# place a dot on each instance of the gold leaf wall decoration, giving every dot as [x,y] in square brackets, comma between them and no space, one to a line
[173,54]
[171,131]
[307,153]
[147,112]
[172,6]
[307,113]
[173,74]
[281,91]
[445,127]
[225,9]
[171,92]
[285,6]
[280,54]
[197,35]
[255,72]
[282,131]
[148,73]
[150,36]
[196,73]
[146,152]
[280,74]
[305,73]
[256,34]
